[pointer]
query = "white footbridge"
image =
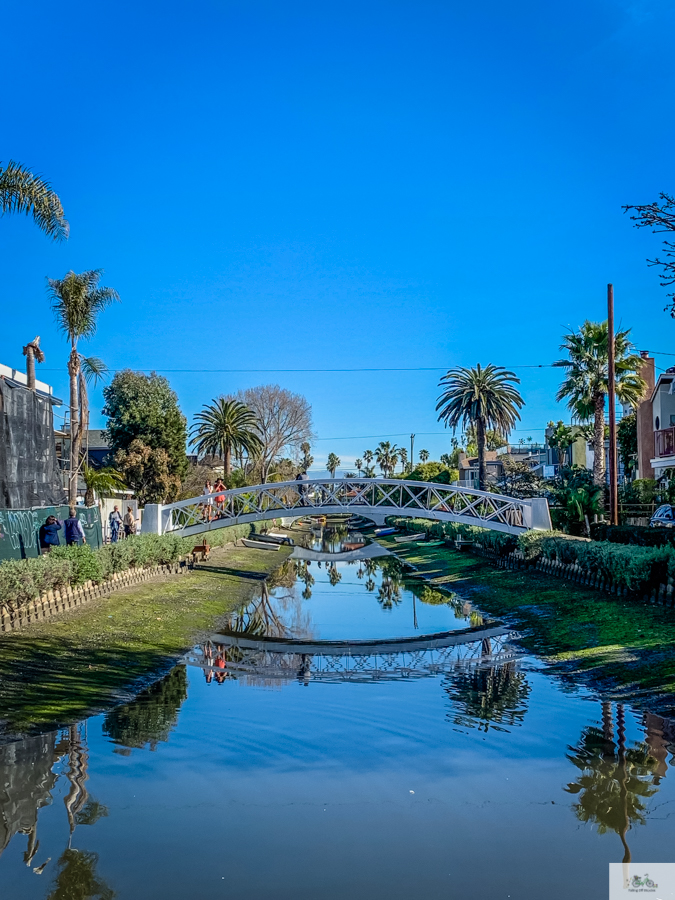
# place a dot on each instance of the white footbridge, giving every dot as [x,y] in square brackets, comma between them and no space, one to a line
[371,498]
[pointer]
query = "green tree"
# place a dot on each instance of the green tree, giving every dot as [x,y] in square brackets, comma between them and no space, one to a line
[359,466]
[386,455]
[23,192]
[579,496]
[225,426]
[104,482]
[518,480]
[77,301]
[627,440]
[561,439]
[586,380]
[143,409]
[148,472]
[307,458]
[368,457]
[332,464]
[403,458]
[424,456]
[483,397]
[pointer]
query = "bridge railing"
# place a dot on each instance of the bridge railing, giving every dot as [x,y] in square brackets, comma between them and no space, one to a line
[373,498]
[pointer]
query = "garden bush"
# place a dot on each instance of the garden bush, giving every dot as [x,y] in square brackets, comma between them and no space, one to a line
[22,580]
[640,535]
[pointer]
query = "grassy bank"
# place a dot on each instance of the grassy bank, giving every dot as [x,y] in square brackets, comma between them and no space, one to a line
[60,670]
[622,646]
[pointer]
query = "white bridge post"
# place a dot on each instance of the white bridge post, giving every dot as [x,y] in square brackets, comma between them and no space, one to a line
[152,518]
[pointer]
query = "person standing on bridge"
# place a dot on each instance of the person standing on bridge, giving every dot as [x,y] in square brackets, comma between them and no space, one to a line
[220,498]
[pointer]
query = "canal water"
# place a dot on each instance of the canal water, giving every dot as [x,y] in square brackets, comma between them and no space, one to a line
[275,767]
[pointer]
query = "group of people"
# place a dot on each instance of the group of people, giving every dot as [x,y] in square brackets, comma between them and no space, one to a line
[118,524]
[72,528]
[214,662]
[208,510]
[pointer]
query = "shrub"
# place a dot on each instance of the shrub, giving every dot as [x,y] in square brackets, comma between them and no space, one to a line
[85,565]
[23,580]
[638,535]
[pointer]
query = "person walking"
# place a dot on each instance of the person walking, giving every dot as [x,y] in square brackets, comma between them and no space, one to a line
[74,532]
[115,522]
[49,534]
[129,522]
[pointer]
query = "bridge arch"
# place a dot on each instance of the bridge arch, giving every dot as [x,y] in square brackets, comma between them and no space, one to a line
[372,498]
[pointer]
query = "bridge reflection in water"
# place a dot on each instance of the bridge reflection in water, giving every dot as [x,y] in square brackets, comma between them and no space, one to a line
[236,654]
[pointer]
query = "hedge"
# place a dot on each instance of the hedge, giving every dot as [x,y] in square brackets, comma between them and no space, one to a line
[639,535]
[639,569]
[22,580]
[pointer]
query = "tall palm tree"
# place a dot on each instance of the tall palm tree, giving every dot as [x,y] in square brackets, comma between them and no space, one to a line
[368,457]
[403,458]
[359,466]
[586,380]
[386,455]
[76,301]
[424,456]
[223,427]
[484,397]
[332,464]
[23,192]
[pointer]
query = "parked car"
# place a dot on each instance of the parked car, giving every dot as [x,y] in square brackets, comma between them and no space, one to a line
[664,517]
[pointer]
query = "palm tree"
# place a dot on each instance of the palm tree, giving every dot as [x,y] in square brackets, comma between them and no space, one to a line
[359,466]
[223,427]
[103,482]
[23,192]
[483,397]
[307,458]
[369,471]
[424,456]
[586,380]
[76,301]
[403,458]
[561,439]
[332,464]
[386,455]
[368,457]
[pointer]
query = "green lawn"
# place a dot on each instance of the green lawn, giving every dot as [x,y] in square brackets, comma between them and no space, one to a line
[60,670]
[621,645]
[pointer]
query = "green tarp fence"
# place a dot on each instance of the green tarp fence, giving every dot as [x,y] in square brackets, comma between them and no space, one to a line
[19,528]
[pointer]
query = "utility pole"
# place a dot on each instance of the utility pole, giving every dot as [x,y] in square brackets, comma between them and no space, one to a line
[611,394]
[412,449]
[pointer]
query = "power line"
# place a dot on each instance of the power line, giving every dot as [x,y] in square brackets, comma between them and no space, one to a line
[273,371]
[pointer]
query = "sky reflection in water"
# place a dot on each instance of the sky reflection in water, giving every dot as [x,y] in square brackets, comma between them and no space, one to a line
[481,782]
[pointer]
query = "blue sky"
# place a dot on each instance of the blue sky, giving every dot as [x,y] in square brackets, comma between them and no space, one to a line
[331,186]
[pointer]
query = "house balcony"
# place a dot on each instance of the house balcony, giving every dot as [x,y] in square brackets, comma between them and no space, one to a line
[664,450]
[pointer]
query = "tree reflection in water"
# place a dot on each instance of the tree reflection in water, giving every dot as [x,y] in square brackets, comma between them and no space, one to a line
[150,718]
[487,698]
[76,878]
[303,574]
[614,780]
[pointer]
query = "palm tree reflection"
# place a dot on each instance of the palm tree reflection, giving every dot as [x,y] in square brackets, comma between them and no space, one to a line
[76,878]
[487,698]
[614,781]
